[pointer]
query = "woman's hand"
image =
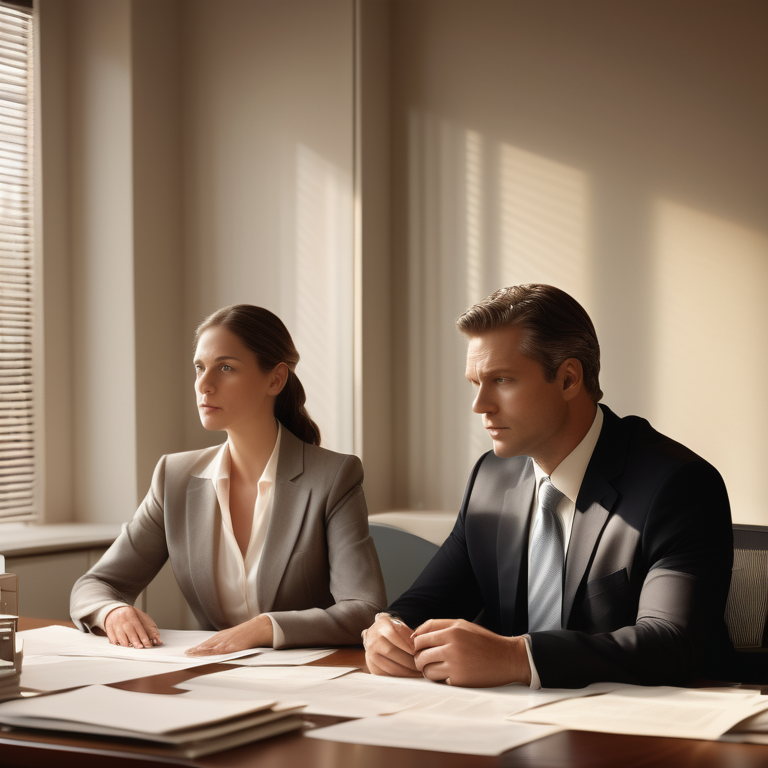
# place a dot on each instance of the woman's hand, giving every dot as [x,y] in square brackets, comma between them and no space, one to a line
[129,626]
[254,633]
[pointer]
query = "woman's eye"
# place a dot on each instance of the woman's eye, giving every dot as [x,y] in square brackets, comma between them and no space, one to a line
[226,367]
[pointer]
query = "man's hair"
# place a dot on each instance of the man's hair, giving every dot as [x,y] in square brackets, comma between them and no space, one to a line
[556,327]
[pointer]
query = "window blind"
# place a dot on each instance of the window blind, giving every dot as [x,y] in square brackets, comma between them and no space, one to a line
[17,448]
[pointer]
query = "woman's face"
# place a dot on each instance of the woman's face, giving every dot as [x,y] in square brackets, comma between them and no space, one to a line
[233,393]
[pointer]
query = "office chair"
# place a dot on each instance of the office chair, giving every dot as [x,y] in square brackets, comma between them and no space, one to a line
[746,612]
[402,556]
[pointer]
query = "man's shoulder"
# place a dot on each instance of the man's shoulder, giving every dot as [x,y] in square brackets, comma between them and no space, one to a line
[632,441]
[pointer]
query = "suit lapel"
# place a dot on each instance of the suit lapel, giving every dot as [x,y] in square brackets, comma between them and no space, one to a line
[202,508]
[512,549]
[593,506]
[288,507]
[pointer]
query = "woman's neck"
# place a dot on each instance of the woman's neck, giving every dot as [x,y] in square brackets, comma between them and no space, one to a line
[250,451]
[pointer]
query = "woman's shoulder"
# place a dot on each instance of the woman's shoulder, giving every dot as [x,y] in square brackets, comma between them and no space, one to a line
[322,460]
[190,462]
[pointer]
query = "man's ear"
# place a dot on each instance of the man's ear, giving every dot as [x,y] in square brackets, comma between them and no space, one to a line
[279,378]
[572,376]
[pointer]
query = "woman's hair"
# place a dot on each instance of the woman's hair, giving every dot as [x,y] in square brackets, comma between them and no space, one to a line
[266,336]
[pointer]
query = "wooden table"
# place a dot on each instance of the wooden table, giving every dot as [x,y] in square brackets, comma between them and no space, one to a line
[569,748]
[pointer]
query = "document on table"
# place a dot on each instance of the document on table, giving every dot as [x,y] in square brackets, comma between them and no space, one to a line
[440,734]
[64,641]
[56,673]
[653,711]
[126,711]
[500,703]
[269,657]
[361,695]
[354,695]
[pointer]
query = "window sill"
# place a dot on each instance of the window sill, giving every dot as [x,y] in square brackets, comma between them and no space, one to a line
[19,540]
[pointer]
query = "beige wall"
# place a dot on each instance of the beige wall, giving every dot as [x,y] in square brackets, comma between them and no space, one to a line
[368,169]
[267,140]
[616,150]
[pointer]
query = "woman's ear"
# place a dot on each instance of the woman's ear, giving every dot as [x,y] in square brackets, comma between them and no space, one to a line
[279,378]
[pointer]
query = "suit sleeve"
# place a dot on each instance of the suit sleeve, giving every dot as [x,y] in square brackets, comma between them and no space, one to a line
[447,587]
[129,565]
[355,579]
[686,555]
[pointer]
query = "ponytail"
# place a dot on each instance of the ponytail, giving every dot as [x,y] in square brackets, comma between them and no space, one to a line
[291,413]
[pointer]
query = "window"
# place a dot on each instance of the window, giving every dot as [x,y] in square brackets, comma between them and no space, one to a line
[17,450]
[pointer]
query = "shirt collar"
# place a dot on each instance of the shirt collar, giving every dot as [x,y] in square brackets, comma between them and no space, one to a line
[570,471]
[218,468]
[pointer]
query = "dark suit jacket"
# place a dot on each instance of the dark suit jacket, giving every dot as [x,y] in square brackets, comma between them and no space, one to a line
[318,576]
[647,569]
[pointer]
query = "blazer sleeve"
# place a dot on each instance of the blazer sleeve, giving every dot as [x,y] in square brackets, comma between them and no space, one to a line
[687,551]
[129,565]
[355,579]
[447,588]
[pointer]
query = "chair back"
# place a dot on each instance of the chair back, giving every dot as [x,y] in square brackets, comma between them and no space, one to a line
[402,556]
[746,612]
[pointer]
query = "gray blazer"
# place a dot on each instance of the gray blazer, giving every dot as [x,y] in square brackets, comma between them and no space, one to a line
[319,574]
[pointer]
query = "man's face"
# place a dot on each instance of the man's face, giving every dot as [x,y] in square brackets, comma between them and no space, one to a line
[523,413]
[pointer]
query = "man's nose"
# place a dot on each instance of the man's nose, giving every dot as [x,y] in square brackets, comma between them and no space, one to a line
[482,403]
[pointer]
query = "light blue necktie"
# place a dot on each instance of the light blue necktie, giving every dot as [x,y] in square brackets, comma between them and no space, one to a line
[545,564]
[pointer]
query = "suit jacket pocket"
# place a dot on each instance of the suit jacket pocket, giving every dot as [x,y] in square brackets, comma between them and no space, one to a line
[607,601]
[596,586]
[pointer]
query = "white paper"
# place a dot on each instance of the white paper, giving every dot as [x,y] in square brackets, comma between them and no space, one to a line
[305,674]
[440,734]
[354,695]
[56,673]
[499,703]
[128,710]
[64,641]
[652,711]
[289,656]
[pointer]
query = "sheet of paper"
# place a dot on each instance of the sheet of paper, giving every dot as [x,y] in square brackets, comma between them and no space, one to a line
[362,695]
[305,674]
[56,673]
[354,695]
[289,656]
[652,711]
[440,734]
[129,710]
[65,641]
[499,703]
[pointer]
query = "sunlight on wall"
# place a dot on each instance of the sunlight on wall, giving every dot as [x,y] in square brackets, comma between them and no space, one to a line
[544,223]
[478,442]
[710,354]
[323,328]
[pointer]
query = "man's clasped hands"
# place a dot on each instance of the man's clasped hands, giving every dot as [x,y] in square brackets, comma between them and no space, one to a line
[451,650]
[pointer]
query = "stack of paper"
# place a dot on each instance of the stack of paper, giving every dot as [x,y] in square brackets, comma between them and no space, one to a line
[753,730]
[178,725]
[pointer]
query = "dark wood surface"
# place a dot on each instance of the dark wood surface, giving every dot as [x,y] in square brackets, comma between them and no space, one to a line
[570,748]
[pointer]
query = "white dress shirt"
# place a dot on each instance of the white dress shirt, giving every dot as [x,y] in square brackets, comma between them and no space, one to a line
[236,576]
[567,478]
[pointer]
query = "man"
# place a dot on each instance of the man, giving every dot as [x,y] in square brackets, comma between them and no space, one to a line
[588,547]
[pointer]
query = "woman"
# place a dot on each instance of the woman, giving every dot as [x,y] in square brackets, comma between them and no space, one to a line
[267,534]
